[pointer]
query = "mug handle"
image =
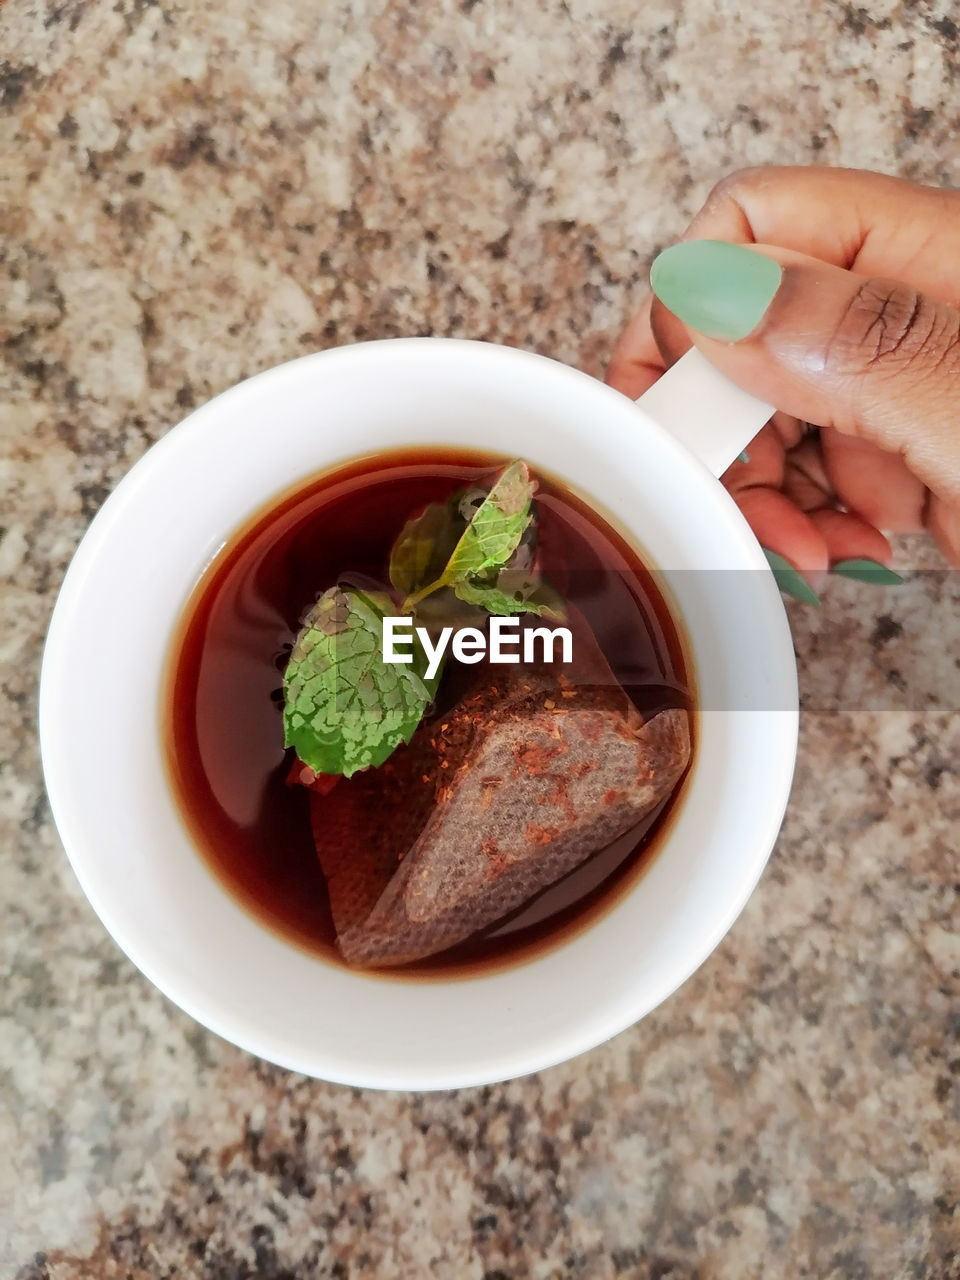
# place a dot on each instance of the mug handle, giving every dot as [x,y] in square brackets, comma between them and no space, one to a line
[710,415]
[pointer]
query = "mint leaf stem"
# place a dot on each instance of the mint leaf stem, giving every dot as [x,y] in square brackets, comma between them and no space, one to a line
[413,600]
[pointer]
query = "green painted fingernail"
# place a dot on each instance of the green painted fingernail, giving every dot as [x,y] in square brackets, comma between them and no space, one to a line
[867,571]
[721,290]
[743,457]
[790,580]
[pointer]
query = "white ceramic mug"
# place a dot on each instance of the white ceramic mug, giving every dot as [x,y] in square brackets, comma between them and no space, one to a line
[125,591]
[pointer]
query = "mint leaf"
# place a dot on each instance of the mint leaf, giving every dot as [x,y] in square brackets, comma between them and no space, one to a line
[494,533]
[424,546]
[345,708]
[477,549]
[496,524]
[513,591]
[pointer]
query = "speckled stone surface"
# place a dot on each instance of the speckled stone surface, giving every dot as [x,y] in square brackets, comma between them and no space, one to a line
[194,192]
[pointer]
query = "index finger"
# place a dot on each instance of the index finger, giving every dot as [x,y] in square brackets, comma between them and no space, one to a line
[636,362]
[850,218]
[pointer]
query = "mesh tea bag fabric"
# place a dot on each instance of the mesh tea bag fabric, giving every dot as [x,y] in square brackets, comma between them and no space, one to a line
[533,769]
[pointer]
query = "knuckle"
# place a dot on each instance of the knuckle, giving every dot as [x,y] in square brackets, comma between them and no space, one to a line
[733,185]
[752,182]
[889,327]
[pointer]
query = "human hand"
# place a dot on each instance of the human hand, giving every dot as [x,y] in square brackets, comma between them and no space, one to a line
[850,320]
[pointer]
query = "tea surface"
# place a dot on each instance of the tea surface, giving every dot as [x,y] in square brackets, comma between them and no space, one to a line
[223,732]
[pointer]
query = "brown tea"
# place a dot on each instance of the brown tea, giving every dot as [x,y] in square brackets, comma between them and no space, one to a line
[224,695]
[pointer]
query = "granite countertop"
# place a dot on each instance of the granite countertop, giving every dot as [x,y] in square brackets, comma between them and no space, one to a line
[195,192]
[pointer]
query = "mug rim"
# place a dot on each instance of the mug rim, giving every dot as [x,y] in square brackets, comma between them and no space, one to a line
[69,600]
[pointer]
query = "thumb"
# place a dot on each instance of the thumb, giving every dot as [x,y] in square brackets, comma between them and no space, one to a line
[872,357]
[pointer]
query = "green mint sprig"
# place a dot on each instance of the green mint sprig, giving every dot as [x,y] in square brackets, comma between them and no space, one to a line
[471,551]
[345,707]
[489,538]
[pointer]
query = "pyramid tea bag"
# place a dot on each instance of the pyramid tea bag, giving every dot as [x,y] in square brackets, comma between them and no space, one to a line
[534,769]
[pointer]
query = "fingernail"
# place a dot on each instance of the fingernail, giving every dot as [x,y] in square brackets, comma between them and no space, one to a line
[790,580]
[867,571]
[743,457]
[721,290]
